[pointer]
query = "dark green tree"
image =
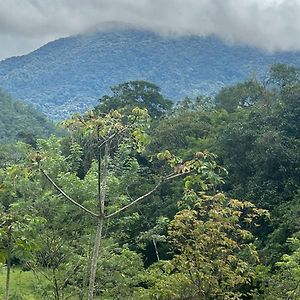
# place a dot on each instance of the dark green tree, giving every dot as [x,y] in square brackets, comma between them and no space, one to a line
[135,94]
[243,94]
[281,75]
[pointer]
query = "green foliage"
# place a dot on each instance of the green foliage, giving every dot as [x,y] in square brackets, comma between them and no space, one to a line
[259,146]
[102,127]
[281,75]
[23,285]
[14,154]
[211,248]
[69,75]
[285,283]
[132,94]
[241,95]
[119,274]
[21,121]
[19,222]
[214,255]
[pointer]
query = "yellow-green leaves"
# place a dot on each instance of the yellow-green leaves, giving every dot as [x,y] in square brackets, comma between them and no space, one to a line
[113,126]
[212,250]
[165,155]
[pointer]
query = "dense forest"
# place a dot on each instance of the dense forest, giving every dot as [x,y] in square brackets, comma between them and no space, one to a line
[141,198]
[69,74]
[21,121]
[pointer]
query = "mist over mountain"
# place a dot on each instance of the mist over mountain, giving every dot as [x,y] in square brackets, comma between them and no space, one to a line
[70,74]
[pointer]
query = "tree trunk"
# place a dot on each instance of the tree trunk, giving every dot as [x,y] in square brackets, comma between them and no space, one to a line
[156,250]
[8,267]
[96,251]
[101,204]
[7,278]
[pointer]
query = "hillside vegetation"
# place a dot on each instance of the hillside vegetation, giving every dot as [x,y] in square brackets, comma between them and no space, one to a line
[195,201]
[21,121]
[70,74]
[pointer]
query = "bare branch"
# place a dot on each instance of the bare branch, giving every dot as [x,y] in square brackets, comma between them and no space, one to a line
[67,196]
[135,201]
[166,178]
[175,175]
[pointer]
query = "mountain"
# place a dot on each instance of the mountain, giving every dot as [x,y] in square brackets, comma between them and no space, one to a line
[70,74]
[21,121]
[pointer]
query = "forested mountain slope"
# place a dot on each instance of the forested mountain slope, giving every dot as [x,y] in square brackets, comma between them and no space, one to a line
[123,207]
[22,121]
[70,74]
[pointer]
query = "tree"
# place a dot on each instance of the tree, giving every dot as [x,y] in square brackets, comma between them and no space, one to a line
[285,283]
[18,222]
[281,75]
[114,131]
[218,257]
[135,94]
[214,252]
[241,95]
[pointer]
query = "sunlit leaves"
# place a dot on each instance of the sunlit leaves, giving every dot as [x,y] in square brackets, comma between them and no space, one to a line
[284,283]
[213,251]
[113,127]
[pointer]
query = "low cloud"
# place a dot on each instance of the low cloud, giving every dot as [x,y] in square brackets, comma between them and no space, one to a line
[273,25]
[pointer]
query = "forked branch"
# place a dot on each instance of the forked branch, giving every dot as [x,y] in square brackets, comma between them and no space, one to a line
[63,193]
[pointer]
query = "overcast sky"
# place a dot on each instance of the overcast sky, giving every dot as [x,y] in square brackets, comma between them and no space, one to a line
[269,24]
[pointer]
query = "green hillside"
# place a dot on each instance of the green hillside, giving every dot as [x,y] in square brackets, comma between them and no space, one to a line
[21,121]
[70,74]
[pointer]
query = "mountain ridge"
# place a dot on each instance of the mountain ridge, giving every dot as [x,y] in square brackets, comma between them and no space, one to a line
[70,74]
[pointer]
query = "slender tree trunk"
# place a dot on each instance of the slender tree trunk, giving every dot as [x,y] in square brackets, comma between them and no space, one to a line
[8,277]
[8,267]
[101,203]
[95,256]
[156,250]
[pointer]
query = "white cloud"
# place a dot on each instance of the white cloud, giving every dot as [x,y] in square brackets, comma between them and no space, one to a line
[268,24]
